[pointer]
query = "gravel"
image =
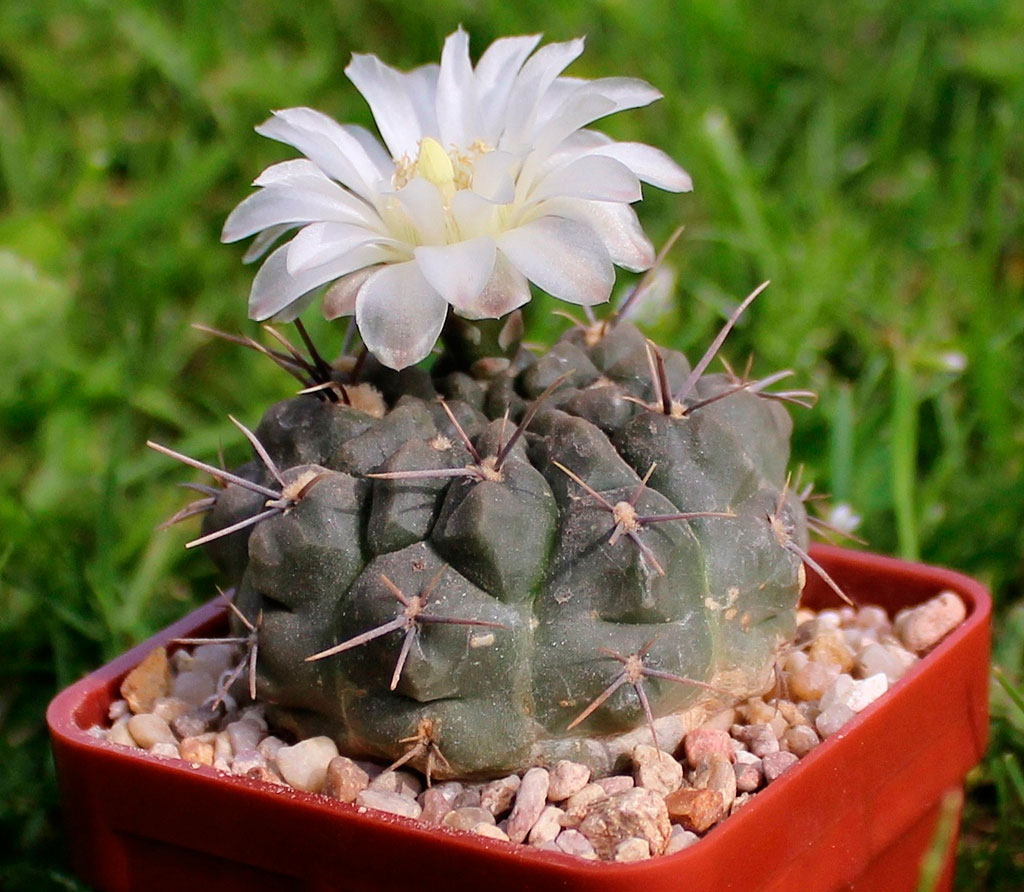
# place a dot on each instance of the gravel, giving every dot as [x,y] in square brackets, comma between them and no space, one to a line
[840,663]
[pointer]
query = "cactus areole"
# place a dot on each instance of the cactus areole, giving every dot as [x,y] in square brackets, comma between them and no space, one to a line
[494,559]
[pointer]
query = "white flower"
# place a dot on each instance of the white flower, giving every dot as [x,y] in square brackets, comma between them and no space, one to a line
[489,181]
[843,518]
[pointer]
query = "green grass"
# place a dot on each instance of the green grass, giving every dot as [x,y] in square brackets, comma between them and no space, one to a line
[867,156]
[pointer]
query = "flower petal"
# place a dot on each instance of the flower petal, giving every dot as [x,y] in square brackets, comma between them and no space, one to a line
[458,120]
[422,202]
[574,115]
[565,258]
[593,177]
[328,145]
[296,172]
[340,298]
[474,215]
[375,152]
[615,224]
[273,206]
[459,272]
[621,92]
[493,176]
[507,289]
[395,99]
[399,315]
[265,241]
[274,289]
[320,243]
[533,80]
[495,75]
[649,164]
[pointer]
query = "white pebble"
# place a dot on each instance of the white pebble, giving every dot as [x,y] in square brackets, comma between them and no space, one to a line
[890,660]
[392,803]
[530,802]
[118,709]
[680,839]
[405,783]
[120,735]
[830,720]
[165,749]
[854,694]
[194,687]
[632,849]
[490,831]
[572,842]
[304,765]
[149,730]
[547,826]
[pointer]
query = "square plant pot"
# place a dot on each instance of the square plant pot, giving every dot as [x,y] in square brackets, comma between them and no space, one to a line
[858,813]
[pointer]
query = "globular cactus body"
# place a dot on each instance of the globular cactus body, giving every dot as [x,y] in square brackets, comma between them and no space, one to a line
[475,597]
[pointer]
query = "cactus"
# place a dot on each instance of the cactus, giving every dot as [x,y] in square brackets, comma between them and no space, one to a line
[508,559]
[550,559]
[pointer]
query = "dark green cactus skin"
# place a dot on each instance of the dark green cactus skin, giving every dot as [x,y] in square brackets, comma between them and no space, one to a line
[529,552]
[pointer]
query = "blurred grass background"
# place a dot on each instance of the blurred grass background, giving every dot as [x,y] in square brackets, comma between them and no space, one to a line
[867,156]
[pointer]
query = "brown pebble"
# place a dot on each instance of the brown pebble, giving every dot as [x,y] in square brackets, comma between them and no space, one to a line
[702,742]
[777,764]
[811,680]
[567,778]
[196,751]
[147,681]
[760,739]
[467,818]
[437,801]
[345,780]
[656,770]
[497,796]
[756,712]
[694,809]
[800,740]
[576,805]
[266,774]
[749,772]
[921,628]
[830,649]
[716,773]
[636,812]
[471,797]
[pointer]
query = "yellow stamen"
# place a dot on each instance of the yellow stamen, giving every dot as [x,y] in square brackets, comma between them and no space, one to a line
[433,163]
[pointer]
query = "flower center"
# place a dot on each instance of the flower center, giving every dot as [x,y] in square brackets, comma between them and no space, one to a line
[450,170]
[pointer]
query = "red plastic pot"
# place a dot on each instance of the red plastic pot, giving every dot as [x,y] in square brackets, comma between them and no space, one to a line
[857,813]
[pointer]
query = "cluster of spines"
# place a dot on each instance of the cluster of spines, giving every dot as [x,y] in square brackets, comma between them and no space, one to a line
[321,379]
